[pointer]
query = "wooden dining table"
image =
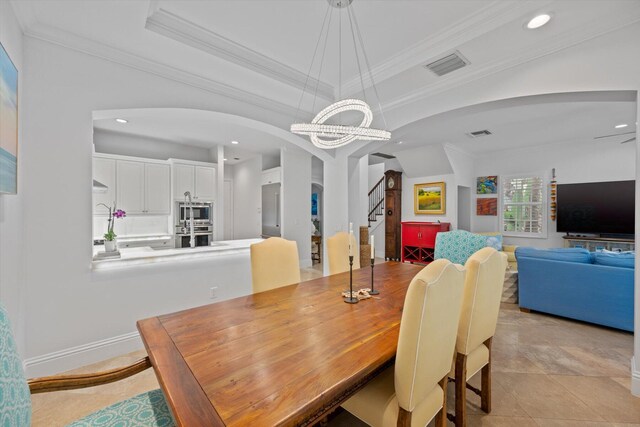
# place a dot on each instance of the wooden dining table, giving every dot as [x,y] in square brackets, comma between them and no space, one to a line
[288,356]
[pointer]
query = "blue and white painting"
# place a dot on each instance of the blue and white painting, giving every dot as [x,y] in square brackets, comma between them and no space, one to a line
[8,124]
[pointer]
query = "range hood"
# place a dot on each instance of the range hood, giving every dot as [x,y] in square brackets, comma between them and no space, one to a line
[99,187]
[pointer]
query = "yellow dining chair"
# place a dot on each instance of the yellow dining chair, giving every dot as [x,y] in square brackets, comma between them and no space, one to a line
[338,248]
[274,263]
[478,320]
[413,392]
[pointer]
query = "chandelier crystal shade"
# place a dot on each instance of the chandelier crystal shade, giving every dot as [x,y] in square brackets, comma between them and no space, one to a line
[328,135]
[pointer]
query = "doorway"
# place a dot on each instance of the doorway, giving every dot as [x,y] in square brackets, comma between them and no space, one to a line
[464,208]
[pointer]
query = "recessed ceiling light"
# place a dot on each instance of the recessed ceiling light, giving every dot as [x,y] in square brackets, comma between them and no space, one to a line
[224,160]
[538,21]
[399,142]
[235,142]
[621,125]
[122,121]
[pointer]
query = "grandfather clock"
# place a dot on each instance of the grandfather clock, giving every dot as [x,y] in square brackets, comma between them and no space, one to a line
[393,214]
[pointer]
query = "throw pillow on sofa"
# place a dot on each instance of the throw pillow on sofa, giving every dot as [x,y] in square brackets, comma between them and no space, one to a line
[495,242]
[556,254]
[615,259]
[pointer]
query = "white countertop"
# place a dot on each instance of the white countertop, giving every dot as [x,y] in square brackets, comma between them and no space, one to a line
[147,255]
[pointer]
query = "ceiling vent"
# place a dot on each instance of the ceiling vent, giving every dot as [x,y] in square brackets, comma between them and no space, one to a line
[479,133]
[384,156]
[448,64]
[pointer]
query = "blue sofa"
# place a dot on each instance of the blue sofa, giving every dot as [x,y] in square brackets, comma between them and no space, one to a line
[593,287]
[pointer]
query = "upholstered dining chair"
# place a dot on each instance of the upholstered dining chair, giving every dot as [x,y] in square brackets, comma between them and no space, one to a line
[413,391]
[147,409]
[338,252]
[480,306]
[274,263]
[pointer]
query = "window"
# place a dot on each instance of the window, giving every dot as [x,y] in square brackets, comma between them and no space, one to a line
[524,206]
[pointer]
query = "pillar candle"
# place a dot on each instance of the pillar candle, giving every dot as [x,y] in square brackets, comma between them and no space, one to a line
[350,245]
[373,251]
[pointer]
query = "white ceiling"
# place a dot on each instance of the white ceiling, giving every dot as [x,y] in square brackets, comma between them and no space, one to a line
[193,128]
[265,47]
[522,122]
[260,51]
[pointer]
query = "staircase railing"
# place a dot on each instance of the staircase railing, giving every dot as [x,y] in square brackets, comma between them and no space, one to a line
[376,201]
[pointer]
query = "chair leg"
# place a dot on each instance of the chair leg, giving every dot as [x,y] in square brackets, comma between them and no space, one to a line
[441,417]
[485,397]
[404,418]
[461,390]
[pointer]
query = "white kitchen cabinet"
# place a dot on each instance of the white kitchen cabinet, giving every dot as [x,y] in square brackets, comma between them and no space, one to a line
[104,171]
[143,188]
[184,180]
[200,181]
[205,178]
[130,186]
[157,189]
[271,176]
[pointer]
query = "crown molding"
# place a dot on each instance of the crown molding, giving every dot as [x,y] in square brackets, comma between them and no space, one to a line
[80,44]
[487,19]
[186,32]
[564,41]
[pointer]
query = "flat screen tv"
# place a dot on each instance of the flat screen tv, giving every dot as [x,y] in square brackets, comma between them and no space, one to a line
[597,207]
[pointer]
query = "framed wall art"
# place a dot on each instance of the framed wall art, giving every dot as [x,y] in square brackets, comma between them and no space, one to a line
[429,198]
[8,124]
[487,185]
[487,206]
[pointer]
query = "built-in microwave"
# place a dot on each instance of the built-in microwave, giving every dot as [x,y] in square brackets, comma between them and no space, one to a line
[202,213]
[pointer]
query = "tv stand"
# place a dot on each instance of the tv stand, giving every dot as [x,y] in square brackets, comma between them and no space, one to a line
[593,243]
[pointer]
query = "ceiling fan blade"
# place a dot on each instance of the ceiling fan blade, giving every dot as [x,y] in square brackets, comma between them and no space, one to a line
[615,134]
[628,140]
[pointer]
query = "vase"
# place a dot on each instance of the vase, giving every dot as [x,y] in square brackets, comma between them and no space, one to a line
[110,245]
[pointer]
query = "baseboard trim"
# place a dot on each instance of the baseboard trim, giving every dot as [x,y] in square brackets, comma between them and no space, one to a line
[635,377]
[82,355]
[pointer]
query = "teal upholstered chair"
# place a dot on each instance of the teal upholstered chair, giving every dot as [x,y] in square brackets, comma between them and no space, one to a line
[145,410]
[458,245]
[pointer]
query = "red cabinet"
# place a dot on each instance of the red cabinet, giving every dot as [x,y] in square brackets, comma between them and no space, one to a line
[419,240]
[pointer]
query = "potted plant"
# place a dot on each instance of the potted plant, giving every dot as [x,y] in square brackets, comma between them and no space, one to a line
[110,242]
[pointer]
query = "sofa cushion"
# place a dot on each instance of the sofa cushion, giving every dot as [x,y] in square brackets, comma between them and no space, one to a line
[557,254]
[615,259]
[495,242]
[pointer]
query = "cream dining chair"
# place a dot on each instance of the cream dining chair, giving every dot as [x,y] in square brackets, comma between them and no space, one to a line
[484,280]
[413,392]
[274,263]
[338,249]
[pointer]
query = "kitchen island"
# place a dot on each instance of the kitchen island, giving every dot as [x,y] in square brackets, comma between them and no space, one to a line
[147,255]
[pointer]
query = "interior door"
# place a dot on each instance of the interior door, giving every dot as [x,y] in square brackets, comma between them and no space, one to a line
[228,209]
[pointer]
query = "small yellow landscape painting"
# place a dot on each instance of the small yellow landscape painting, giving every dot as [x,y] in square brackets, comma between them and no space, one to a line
[429,198]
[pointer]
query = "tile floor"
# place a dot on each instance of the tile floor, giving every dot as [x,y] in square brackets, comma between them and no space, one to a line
[547,371]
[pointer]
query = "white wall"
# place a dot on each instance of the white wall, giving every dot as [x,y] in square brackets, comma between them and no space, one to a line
[67,304]
[247,206]
[584,161]
[139,146]
[296,200]
[12,206]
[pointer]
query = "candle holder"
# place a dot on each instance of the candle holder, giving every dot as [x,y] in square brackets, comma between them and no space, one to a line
[351,299]
[373,291]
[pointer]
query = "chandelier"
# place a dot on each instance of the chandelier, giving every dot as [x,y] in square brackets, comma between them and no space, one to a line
[327,135]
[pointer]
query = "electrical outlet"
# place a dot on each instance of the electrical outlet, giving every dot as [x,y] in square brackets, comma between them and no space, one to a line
[213,292]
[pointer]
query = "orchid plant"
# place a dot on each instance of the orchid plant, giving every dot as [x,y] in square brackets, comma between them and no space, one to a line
[113,214]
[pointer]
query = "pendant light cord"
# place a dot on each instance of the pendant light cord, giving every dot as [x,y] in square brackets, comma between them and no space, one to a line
[366,59]
[315,51]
